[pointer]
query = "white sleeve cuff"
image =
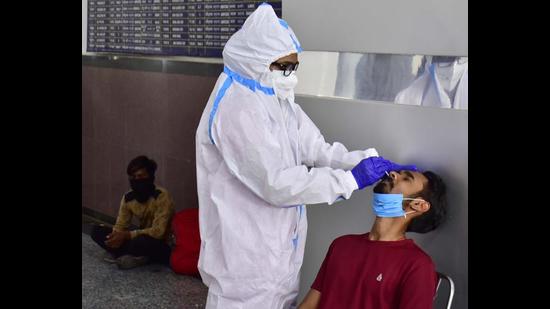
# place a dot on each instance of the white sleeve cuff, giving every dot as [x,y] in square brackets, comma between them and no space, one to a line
[371,152]
[350,182]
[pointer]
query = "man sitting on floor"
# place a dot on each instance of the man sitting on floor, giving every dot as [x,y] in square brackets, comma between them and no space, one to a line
[154,208]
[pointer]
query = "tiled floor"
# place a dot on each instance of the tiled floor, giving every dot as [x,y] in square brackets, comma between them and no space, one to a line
[150,286]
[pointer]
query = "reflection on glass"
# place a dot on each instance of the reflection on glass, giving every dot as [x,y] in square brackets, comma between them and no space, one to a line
[442,82]
[435,81]
[375,76]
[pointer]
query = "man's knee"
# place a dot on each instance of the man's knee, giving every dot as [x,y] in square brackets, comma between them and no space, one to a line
[149,246]
[99,233]
[145,240]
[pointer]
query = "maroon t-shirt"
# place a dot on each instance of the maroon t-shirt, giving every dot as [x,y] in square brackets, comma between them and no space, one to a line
[362,273]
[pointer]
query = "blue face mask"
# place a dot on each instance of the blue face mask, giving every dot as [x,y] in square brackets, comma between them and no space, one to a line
[390,205]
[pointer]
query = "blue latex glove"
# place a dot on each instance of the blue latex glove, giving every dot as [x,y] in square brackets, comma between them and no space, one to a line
[372,169]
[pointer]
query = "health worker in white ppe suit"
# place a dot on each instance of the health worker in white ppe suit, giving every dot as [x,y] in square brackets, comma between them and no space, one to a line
[260,158]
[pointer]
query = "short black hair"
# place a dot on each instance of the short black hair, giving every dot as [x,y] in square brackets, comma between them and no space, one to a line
[435,193]
[142,162]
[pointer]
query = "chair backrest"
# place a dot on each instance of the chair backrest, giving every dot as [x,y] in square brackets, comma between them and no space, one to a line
[441,277]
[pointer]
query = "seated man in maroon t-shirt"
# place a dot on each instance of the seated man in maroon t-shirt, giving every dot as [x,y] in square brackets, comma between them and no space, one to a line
[383,269]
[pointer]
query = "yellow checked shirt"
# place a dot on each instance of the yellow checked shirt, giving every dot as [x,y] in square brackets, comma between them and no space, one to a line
[155,215]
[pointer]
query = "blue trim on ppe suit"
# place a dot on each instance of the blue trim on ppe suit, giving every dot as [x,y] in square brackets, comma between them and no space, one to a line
[233,76]
[220,95]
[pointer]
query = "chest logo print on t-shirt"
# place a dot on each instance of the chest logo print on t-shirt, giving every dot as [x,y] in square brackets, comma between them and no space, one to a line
[379,278]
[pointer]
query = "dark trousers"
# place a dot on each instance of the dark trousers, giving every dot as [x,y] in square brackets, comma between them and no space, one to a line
[157,250]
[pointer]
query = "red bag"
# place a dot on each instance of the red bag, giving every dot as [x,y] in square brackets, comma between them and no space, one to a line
[185,255]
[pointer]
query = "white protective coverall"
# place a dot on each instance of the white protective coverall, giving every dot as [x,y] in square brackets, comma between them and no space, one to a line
[253,152]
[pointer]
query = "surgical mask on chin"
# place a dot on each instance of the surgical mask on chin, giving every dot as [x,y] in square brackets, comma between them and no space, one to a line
[283,85]
[390,205]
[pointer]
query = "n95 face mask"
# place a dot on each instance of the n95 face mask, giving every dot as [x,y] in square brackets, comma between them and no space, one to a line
[283,85]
